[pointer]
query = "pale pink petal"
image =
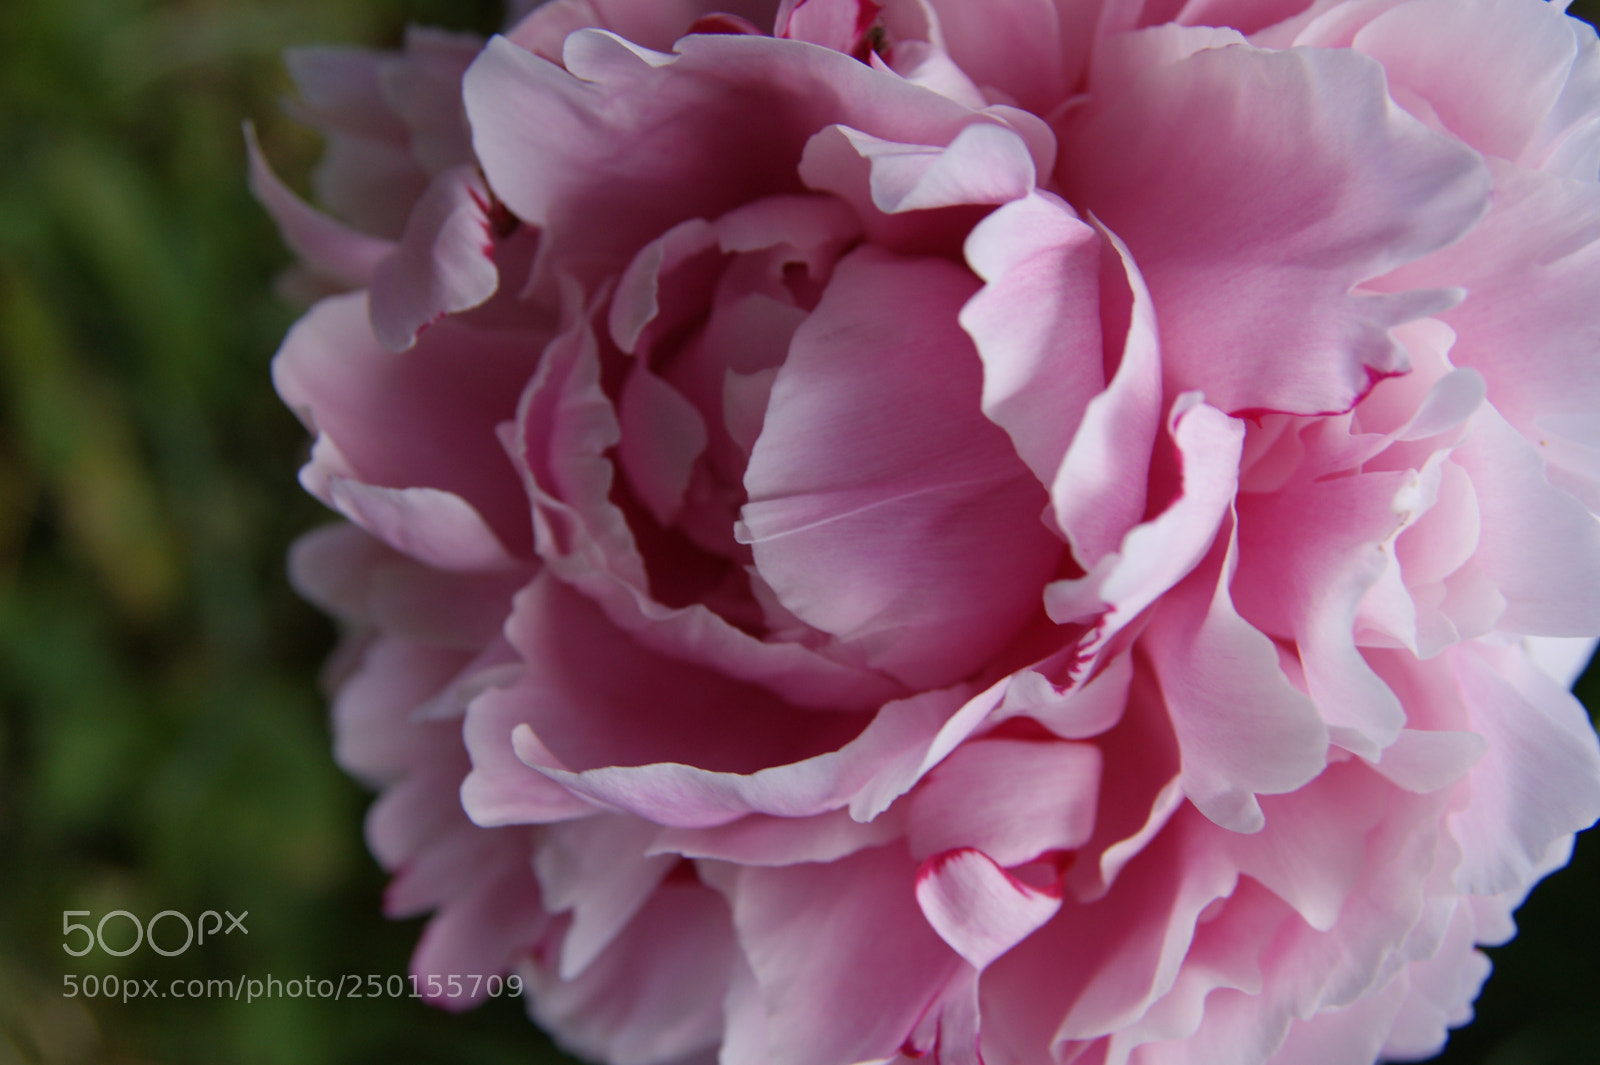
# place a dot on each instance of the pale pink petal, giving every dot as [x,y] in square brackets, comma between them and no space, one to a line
[1014,800]
[1157,554]
[598,871]
[1551,591]
[638,299]
[978,908]
[986,163]
[502,787]
[1216,1012]
[1437,994]
[342,89]
[1032,51]
[444,262]
[447,867]
[328,248]
[1537,783]
[1076,712]
[584,680]
[1292,157]
[332,565]
[621,1009]
[422,86]
[1490,69]
[482,931]
[1246,16]
[1526,324]
[759,839]
[1564,658]
[1099,492]
[859,999]
[420,420]
[1127,948]
[373,738]
[663,435]
[458,610]
[1243,730]
[1353,1035]
[866,774]
[1425,761]
[1307,555]
[938,490]
[434,527]
[836,24]
[416,813]
[1570,135]
[1139,790]
[1037,325]
[1120,60]
[654,24]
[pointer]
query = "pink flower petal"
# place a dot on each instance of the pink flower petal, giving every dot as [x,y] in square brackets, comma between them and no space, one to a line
[718,125]
[330,249]
[1324,173]
[443,263]
[1242,728]
[623,1007]
[938,491]
[414,421]
[978,908]
[1036,324]
[858,1000]
[1014,800]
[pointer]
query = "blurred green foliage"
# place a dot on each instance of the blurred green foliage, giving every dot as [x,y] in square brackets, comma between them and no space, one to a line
[162,743]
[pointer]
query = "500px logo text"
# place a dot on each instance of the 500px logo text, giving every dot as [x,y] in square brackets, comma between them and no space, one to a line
[145,932]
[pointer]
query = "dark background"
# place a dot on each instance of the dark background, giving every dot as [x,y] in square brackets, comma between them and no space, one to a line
[162,741]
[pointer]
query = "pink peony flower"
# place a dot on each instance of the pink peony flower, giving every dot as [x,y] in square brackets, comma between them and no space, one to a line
[1032,531]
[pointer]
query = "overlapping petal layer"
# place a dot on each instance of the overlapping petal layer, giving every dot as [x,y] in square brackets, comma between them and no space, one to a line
[997,532]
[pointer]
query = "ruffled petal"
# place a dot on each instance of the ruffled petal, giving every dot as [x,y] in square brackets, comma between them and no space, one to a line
[1290,157]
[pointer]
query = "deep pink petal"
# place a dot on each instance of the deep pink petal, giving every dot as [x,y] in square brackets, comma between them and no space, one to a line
[720,124]
[566,428]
